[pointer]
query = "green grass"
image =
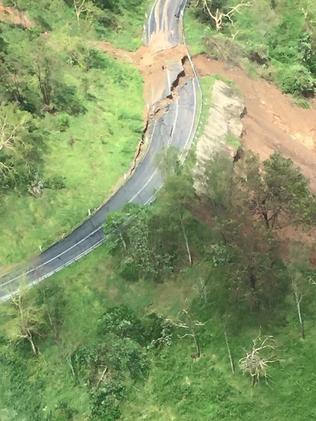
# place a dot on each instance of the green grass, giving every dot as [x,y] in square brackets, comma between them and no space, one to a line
[130,24]
[233,141]
[206,84]
[182,389]
[195,32]
[92,152]
[178,388]
[279,47]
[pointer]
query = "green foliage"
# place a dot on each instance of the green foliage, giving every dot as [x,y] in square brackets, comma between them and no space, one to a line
[83,118]
[22,142]
[281,45]
[295,79]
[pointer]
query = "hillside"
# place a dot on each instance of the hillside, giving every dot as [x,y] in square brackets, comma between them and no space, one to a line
[66,105]
[200,306]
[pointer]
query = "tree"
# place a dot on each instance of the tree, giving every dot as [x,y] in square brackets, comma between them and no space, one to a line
[142,254]
[80,7]
[278,193]
[298,267]
[244,253]
[190,326]
[218,11]
[25,320]
[257,361]
[51,298]
[21,146]
[55,94]
[9,132]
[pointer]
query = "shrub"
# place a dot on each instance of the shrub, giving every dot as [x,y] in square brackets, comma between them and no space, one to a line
[63,122]
[295,79]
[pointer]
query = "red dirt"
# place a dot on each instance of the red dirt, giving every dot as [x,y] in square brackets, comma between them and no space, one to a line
[273,122]
[152,62]
[14,16]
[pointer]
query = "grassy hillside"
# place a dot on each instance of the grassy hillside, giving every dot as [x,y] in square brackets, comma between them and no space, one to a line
[156,324]
[272,39]
[113,334]
[84,111]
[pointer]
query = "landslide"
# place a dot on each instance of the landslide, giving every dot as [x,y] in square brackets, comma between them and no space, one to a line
[14,16]
[272,122]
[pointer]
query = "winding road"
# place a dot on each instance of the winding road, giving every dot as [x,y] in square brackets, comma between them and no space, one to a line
[175,128]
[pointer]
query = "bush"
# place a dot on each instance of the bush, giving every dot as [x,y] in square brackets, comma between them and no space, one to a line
[55,183]
[66,99]
[295,79]
[63,122]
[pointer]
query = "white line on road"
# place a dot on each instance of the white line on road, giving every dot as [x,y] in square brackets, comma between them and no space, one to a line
[148,181]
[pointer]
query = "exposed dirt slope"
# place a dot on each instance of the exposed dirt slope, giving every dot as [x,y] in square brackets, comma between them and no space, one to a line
[273,122]
[152,62]
[14,16]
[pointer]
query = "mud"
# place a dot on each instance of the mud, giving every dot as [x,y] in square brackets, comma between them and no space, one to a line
[273,122]
[14,16]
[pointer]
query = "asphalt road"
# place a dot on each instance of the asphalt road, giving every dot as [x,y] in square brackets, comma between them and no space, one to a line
[175,128]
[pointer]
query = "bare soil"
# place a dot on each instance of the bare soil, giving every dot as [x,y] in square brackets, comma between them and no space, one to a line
[14,16]
[153,63]
[273,122]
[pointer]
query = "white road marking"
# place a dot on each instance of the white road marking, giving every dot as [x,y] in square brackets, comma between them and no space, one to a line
[52,259]
[85,252]
[168,80]
[149,20]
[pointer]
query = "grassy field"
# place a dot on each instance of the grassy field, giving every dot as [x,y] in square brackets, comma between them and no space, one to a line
[178,388]
[90,151]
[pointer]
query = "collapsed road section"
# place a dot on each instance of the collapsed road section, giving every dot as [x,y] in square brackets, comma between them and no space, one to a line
[173,125]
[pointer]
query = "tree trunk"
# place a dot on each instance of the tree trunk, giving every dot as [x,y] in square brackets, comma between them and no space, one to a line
[298,300]
[187,244]
[122,239]
[232,366]
[30,339]
[197,345]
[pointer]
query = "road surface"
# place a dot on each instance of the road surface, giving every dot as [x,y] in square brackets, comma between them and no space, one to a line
[174,128]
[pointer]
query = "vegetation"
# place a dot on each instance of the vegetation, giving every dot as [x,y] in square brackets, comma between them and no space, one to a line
[159,322]
[70,120]
[199,307]
[280,47]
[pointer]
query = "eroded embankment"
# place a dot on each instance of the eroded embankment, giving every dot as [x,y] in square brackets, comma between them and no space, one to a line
[161,85]
[229,117]
[273,122]
[14,16]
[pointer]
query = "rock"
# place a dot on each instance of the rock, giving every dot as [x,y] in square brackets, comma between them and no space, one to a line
[224,121]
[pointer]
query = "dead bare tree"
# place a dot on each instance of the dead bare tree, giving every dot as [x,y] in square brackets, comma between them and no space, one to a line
[298,267]
[258,360]
[80,7]
[26,324]
[219,16]
[8,132]
[201,289]
[8,138]
[231,361]
[298,297]
[187,323]
[187,246]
